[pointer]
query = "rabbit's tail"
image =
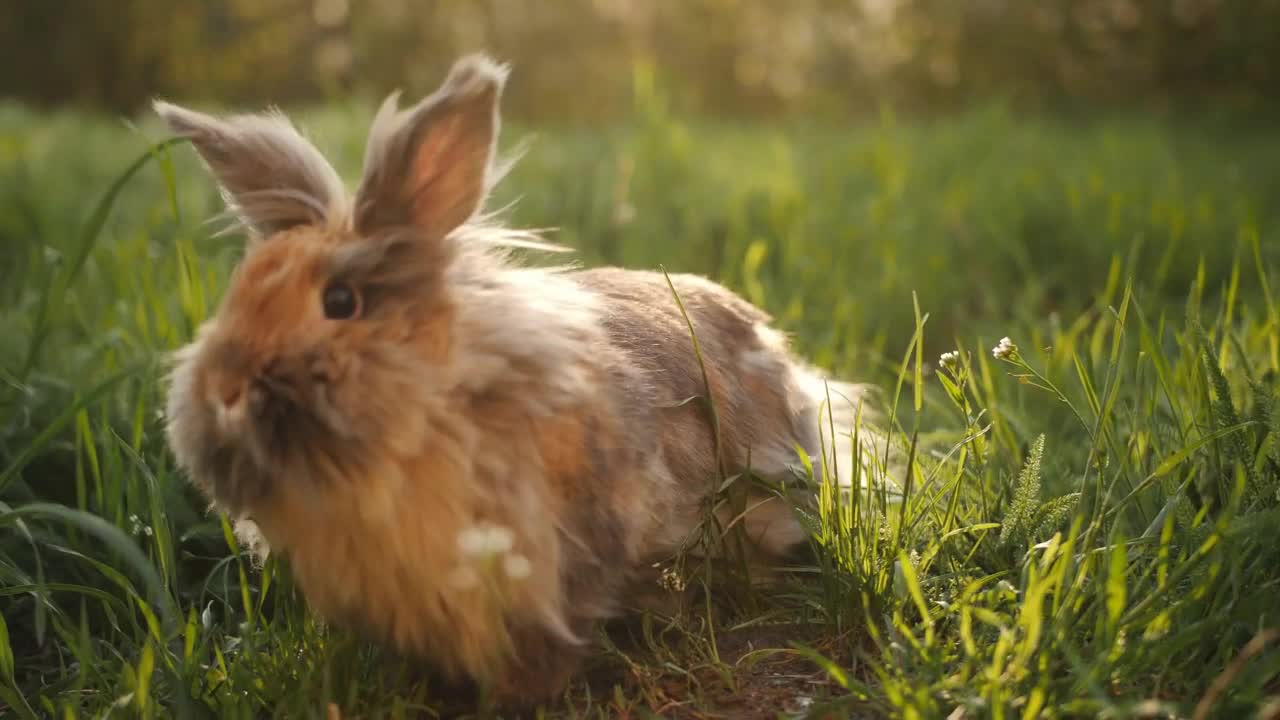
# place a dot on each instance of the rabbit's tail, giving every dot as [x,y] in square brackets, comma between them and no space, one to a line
[849,443]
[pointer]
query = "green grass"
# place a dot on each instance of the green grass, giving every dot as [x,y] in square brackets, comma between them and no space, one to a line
[1089,526]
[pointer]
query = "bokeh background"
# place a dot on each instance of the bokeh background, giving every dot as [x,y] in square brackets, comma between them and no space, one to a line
[723,57]
[892,179]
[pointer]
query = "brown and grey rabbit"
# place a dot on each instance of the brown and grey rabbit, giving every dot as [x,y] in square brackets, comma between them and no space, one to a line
[471,460]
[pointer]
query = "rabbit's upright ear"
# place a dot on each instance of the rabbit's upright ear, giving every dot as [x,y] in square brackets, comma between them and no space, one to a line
[429,166]
[271,177]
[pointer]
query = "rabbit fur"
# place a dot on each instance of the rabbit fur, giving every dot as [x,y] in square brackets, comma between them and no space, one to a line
[478,464]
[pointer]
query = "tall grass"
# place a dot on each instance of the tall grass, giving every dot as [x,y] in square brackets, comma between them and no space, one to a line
[1083,526]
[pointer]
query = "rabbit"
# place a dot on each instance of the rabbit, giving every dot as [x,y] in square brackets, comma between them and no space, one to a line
[469,459]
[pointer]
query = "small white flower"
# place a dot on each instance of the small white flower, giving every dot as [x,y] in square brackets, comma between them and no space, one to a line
[671,580]
[1005,350]
[949,360]
[473,541]
[517,566]
[485,540]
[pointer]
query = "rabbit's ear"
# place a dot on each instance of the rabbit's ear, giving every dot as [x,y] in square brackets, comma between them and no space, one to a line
[430,166]
[271,177]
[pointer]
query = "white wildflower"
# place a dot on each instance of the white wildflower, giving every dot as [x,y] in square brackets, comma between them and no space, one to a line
[671,580]
[486,549]
[1006,350]
[485,540]
[137,527]
[517,566]
[949,360]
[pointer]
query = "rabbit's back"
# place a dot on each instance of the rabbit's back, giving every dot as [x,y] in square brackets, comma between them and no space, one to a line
[761,406]
[750,373]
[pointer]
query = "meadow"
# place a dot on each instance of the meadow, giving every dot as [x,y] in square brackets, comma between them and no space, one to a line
[1089,518]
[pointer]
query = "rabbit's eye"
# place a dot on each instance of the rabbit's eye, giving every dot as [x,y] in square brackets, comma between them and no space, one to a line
[340,301]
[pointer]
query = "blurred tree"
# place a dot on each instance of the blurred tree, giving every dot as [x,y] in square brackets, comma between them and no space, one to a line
[575,57]
[120,53]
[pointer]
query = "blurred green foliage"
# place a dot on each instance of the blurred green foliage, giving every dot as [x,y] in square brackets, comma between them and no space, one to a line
[575,57]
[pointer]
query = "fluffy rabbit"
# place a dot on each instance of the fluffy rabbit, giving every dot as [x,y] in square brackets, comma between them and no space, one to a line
[470,460]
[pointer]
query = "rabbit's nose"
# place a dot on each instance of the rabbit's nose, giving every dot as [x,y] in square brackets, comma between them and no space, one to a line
[231,395]
[228,400]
